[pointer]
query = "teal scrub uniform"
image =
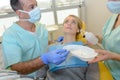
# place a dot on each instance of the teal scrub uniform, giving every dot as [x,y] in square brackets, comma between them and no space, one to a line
[20,45]
[111,42]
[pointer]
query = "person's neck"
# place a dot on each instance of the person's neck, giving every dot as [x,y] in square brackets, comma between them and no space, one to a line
[69,38]
[27,25]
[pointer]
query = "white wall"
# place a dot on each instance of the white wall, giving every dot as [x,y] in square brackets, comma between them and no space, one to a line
[96,14]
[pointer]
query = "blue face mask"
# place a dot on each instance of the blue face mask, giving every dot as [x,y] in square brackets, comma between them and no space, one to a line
[114,6]
[34,15]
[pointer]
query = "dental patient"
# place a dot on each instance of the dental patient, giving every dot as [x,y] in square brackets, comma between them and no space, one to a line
[73,68]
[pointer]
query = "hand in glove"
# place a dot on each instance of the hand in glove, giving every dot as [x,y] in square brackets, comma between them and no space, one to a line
[55,57]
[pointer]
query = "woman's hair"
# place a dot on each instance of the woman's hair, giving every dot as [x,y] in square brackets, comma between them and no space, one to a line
[15,4]
[79,22]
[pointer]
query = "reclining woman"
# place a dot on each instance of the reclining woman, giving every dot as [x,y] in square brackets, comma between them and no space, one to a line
[73,68]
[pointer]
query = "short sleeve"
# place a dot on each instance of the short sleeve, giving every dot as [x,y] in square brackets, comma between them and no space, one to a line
[11,50]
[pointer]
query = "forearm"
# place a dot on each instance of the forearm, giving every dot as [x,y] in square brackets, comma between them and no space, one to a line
[116,56]
[28,67]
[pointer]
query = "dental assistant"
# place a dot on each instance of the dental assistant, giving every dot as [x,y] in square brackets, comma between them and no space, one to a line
[25,43]
[111,41]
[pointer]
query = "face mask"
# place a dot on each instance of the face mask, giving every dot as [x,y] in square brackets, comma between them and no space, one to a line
[34,15]
[114,6]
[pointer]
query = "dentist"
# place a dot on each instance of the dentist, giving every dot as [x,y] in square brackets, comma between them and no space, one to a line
[25,43]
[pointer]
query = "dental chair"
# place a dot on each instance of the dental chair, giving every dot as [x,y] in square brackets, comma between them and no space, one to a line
[81,36]
[104,72]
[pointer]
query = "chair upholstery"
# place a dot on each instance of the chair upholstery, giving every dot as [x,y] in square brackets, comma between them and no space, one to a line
[104,72]
[81,36]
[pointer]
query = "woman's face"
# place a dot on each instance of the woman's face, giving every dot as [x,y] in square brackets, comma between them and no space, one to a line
[70,25]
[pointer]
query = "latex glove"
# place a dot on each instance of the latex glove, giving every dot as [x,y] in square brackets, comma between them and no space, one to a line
[55,57]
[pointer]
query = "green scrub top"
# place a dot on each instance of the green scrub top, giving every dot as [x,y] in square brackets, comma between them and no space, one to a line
[111,42]
[20,45]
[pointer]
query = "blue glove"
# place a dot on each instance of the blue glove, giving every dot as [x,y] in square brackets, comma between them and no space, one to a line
[55,57]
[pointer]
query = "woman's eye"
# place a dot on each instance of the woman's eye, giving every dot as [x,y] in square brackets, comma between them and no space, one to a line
[66,21]
[73,22]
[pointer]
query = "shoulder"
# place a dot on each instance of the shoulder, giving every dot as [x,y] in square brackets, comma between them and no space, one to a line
[111,17]
[10,33]
[109,21]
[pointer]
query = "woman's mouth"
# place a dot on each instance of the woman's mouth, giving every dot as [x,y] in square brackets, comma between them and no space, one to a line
[69,28]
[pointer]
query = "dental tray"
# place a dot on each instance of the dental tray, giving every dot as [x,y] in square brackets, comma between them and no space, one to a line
[83,52]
